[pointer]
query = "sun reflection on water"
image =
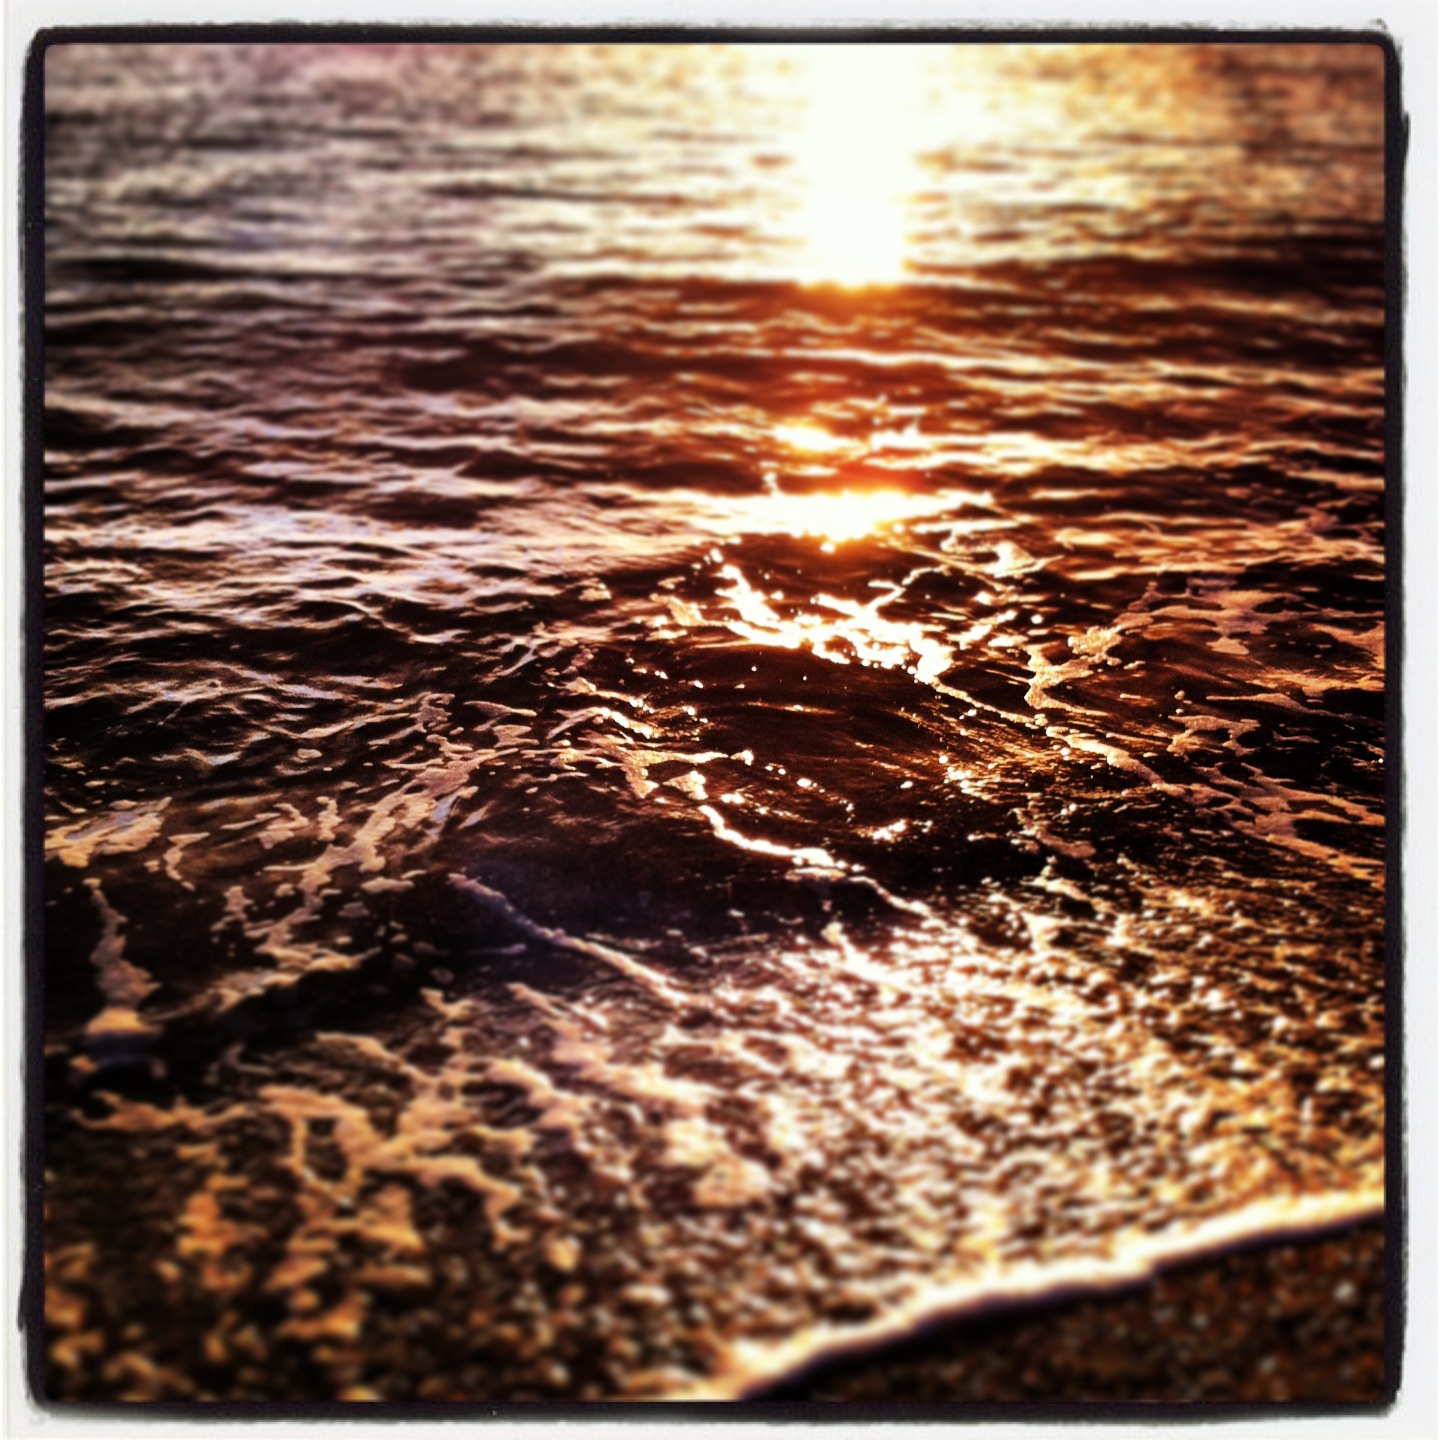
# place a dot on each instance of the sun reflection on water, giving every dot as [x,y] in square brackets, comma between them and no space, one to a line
[839,516]
[846,498]
[836,629]
[812,439]
[857,155]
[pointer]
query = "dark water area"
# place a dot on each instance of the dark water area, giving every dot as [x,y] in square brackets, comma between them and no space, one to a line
[700,702]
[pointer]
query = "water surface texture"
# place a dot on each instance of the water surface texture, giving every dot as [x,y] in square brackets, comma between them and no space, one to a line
[699,701]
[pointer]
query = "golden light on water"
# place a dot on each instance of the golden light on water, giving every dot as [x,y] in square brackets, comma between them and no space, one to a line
[811,439]
[841,515]
[842,511]
[836,629]
[857,161]
[757,790]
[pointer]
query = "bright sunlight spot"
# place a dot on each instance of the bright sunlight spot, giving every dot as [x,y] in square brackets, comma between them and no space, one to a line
[811,438]
[858,162]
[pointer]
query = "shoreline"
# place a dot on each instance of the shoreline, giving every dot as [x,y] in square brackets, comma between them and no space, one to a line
[1297,1223]
[1299,1322]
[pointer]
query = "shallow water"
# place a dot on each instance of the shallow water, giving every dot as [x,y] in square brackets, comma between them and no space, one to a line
[700,701]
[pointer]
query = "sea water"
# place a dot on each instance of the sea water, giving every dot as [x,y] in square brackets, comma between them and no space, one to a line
[699,701]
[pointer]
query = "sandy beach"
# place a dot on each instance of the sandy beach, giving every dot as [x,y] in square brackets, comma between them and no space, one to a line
[1296,1324]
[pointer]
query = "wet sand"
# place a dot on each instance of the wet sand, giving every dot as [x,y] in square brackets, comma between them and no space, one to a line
[1301,1323]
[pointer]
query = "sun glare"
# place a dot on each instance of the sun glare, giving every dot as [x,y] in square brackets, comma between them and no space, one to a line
[834,511]
[844,516]
[857,161]
[811,439]
[837,517]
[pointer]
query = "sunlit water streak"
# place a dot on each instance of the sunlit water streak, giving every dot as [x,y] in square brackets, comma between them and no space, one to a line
[664,753]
